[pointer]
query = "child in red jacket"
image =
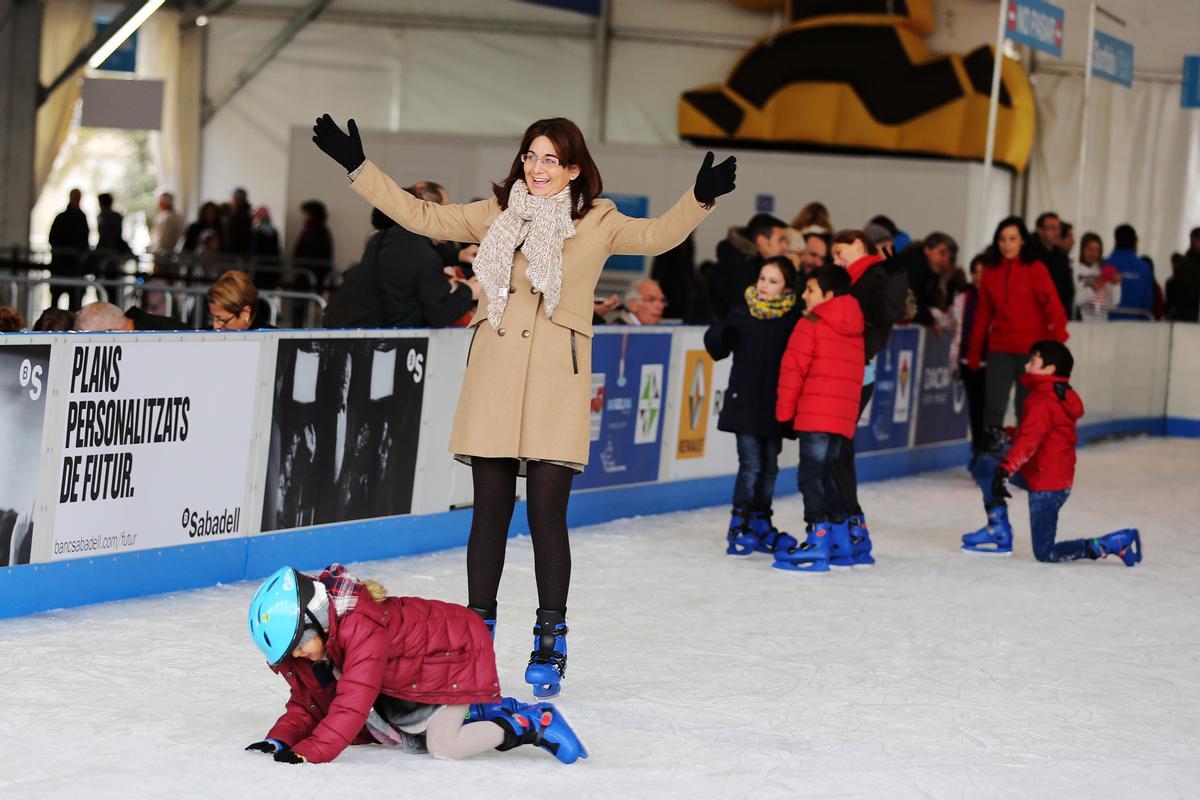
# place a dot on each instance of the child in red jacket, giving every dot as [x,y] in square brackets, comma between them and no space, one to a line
[820,381]
[405,672]
[1042,458]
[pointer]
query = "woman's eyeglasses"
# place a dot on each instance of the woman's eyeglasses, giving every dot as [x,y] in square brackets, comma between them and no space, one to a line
[548,161]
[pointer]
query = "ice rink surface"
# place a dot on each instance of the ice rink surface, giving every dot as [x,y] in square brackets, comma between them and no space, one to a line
[695,674]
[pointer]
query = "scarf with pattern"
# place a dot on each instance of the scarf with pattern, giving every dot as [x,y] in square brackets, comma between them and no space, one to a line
[539,226]
[769,309]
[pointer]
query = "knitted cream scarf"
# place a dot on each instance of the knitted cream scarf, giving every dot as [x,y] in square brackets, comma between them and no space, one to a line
[539,226]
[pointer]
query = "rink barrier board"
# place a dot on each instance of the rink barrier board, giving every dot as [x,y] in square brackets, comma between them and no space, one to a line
[439,482]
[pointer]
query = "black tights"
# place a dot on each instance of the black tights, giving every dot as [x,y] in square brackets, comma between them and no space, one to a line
[548,488]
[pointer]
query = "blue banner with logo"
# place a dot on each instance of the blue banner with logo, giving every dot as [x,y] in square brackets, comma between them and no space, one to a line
[1191,82]
[1112,59]
[631,205]
[629,372]
[887,419]
[942,414]
[1037,24]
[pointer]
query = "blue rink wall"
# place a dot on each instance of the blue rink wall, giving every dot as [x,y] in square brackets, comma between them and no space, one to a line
[655,445]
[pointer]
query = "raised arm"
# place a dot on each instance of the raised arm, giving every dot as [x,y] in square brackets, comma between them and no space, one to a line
[461,223]
[649,237]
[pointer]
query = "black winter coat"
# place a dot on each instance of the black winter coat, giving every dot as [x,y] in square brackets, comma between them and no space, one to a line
[400,284]
[882,293]
[757,347]
[737,267]
[1059,267]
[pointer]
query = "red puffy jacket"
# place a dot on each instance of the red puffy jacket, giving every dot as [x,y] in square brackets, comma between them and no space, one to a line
[1018,305]
[1044,448]
[420,650]
[820,379]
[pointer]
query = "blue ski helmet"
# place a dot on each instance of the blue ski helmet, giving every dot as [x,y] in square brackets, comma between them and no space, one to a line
[277,612]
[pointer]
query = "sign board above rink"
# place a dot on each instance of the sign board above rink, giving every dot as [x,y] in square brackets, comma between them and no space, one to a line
[1037,24]
[1112,59]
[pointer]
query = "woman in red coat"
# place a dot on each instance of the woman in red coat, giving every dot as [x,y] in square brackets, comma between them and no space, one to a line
[1018,305]
[364,667]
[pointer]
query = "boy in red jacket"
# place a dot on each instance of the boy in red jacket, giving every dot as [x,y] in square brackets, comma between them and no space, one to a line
[820,381]
[1042,458]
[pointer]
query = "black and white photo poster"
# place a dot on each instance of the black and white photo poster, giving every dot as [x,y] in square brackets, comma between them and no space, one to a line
[24,373]
[155,445]
[344,430]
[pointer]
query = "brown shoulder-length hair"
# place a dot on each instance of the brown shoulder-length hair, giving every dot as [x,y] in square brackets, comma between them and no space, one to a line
[572,152]
[850,236]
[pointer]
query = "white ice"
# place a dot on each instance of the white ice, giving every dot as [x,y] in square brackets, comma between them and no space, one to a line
[695,674]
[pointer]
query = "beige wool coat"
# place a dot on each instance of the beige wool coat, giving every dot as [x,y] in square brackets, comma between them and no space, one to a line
[528,384]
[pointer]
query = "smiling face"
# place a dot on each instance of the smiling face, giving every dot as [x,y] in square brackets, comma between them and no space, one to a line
[542,178]
[845,254]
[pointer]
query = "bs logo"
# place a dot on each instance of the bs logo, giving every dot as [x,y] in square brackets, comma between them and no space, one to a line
[31,376]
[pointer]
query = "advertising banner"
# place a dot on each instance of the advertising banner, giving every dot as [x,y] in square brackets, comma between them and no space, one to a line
[701,450]
[942,414]
[345,424]
[1037,24]
[628,400]
[155,445]
[695,396]
[24,377]
[1189,96]
[885,422]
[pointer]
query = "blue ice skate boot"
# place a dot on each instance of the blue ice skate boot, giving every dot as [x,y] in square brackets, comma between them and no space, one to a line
[548,661]
[993,539]
[539,724]
[741,540]
[483,712]
[488,615]
[1125,544]
[841,547]
[810,556]
[860,541]
[769,538]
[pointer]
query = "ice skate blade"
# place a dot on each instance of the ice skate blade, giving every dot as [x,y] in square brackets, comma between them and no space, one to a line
[994,553]
[544,691]
[864,564]
[801,566]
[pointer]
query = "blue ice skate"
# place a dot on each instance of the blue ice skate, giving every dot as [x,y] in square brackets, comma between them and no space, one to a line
[841,547]
[769,538]
[860,541]
[483,712]
[740,539]
[993,539]
[548,661]
[1126,544]
[539,724]
[811,556]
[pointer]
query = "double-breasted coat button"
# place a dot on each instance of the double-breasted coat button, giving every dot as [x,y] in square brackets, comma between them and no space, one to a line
[500,331]
[524,334]
[512,290]
[533,290]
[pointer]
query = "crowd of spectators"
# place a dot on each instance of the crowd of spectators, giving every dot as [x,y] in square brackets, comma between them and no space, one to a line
[404,279]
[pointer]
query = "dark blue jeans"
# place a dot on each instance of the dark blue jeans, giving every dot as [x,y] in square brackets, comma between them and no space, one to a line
[1043,514]
[758,467]
[817,477]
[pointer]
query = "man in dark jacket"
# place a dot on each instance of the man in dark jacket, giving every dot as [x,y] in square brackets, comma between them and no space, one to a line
[925,263]
[1046,247]
[111,247]
[739,257]
[400,282]
[68,249]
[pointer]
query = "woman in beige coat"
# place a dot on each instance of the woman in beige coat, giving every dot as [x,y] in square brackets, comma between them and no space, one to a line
[524,407]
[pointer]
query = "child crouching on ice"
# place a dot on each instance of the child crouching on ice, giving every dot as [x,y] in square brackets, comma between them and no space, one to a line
[1042,457]
[755,333]
[364,668]
[820,381]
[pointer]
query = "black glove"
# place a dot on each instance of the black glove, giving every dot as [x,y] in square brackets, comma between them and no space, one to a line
[999,487]
[286,756]
[346,149]
[267,746]
[712,182]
